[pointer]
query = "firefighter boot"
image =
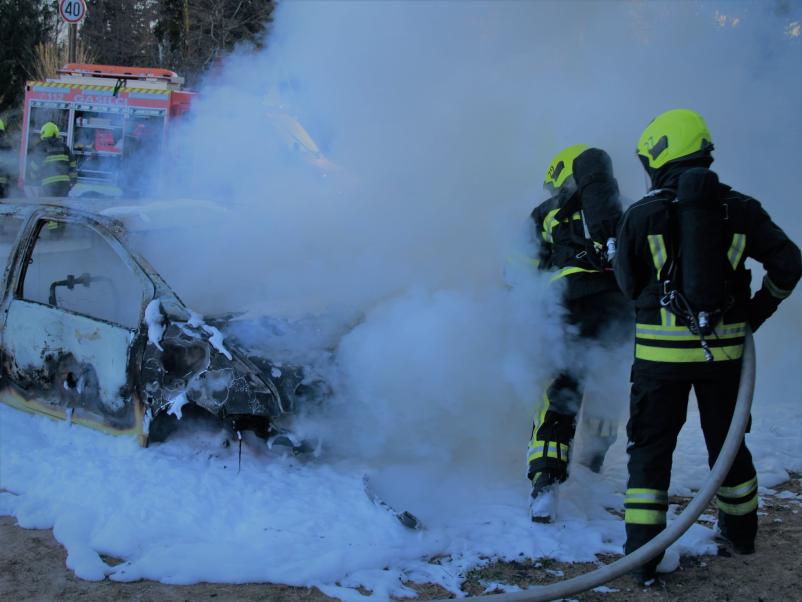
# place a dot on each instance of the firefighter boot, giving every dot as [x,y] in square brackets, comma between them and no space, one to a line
[645,576]
[544,497]
[737,532]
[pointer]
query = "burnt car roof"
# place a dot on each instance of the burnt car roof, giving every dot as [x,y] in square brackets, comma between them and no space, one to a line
[130,215]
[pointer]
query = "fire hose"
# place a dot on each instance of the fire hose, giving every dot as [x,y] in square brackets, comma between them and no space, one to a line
[677,527]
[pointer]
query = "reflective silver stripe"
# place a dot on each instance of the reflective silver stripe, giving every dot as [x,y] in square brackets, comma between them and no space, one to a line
[725,331]
[52,158]
[668,318]
[733,330]
[665,333]
[650,497]
[736,249]
[552,445]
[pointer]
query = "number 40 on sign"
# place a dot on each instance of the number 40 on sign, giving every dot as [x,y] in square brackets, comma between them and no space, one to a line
[72,11]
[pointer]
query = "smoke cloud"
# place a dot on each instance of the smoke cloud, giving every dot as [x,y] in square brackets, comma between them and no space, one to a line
[433,123]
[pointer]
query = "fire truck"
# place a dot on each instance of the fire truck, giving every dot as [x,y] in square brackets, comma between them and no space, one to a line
[114,119]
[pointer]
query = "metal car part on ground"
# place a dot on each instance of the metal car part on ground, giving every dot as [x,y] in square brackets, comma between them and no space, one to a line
[91,333]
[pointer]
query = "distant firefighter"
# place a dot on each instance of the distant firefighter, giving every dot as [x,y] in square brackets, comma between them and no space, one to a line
[52,164]
[6,160]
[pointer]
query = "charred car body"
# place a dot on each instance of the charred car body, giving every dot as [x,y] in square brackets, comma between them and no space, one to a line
[90,332]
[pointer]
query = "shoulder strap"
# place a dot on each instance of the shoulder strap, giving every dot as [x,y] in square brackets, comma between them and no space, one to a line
[668,197]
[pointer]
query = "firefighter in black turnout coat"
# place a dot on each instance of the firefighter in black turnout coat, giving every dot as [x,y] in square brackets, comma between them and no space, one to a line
[575,231]
[6,162]
[681,254]
[52,164]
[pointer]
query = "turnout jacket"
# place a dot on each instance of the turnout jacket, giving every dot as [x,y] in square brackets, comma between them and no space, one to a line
[572,227]
[646,246]
[52,163]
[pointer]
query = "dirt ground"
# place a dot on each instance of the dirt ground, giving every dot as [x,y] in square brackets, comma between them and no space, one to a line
[32,567]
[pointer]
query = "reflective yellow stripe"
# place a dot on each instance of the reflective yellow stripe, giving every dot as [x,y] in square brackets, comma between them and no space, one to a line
[125,90]
[776,291]
[568,271]
[538,452]
[638,516]
[548,224]
[681,333]
[540,416]
[550,221]
[741,490]
[738,509]
[544,408]
[536,446]
[667,318]
[693,354]
[736,249]
[54,179]
[658,248]
[54,158]
[644,491]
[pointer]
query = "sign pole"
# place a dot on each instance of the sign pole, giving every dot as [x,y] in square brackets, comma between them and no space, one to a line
[73,44]
[72,12]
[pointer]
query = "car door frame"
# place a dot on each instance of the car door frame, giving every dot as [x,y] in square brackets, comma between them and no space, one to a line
[12,393]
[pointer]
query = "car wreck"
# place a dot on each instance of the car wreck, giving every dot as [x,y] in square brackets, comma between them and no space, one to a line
[91,333]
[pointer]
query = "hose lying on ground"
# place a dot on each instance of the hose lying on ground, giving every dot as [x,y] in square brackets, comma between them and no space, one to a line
[678,526]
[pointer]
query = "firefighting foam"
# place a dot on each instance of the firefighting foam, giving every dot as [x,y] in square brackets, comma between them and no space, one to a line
[378,163]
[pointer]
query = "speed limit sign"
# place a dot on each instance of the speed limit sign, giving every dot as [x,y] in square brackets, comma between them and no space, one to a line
[72,11]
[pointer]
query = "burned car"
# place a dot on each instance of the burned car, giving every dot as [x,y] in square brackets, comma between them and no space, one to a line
[91,333]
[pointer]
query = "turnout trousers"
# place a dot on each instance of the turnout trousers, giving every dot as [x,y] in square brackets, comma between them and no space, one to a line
[604,318]
[658,407]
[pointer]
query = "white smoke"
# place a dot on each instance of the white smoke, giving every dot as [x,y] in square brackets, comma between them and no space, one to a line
[441,118]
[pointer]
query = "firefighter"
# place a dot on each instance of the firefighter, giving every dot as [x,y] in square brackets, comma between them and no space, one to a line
[681,254]
[52,164]
[6,160]
[575,230]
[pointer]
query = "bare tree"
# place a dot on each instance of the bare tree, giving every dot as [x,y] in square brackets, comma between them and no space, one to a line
[23,25]
[194,33]
[120,32]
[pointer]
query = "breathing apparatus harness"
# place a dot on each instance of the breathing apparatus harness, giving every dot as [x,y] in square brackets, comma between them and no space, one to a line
[700,323]
[694,281]
[593,254]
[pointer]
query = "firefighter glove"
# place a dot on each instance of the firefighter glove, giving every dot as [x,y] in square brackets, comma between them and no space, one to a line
[761,306]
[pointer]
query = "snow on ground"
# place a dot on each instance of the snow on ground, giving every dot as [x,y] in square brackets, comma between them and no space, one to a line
[181,512]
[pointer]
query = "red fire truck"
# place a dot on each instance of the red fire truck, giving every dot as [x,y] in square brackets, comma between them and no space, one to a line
[114,119]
